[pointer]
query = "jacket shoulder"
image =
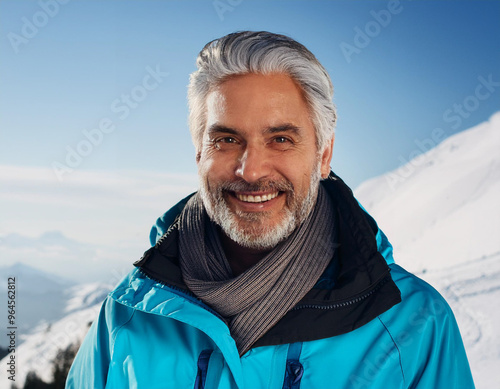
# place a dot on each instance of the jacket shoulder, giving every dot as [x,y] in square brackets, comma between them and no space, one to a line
[422,307]
[412,284]
[426,334]
[91,364]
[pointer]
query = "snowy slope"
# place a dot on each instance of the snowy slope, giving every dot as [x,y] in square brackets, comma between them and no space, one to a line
[473,290]
[442,209]
[442,214]
[39,349]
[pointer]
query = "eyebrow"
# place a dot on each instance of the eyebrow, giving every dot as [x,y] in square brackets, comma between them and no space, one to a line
[286,127]
[214,128]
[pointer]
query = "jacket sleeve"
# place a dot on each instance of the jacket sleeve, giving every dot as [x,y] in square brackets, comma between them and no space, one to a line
[432,353]
[91,364]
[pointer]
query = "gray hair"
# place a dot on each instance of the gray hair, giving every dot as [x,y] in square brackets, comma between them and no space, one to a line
[263,53]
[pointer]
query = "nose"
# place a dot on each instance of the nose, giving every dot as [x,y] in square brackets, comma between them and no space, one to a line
[253,164]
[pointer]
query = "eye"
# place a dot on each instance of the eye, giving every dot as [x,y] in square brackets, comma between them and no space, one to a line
[282,143]
[281,139]
[224,142]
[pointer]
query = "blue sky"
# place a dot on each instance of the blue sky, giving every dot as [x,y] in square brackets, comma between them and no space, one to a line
[393,89]
[94,143]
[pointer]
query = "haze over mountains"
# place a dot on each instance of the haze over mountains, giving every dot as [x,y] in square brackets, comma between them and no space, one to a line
[440,211]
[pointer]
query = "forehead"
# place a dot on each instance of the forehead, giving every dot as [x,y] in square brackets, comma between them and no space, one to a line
[256,100]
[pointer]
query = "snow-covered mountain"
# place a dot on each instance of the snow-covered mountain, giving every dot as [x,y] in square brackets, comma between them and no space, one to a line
[40,297]
[51,314]
[441,211]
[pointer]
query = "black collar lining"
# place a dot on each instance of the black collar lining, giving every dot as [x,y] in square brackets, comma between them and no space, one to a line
[362,290]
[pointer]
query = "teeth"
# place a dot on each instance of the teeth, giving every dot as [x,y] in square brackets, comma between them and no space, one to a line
[256,199]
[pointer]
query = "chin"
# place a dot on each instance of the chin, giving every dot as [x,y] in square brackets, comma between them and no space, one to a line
[259,237]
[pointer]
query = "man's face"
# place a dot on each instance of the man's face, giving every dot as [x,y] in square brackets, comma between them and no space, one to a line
[259,166]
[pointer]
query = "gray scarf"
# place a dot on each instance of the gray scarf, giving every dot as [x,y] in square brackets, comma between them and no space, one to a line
[258,298]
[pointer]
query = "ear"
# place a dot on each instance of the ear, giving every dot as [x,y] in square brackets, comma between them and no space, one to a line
[326,158]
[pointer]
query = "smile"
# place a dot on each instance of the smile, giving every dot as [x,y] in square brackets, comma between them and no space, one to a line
[258,198]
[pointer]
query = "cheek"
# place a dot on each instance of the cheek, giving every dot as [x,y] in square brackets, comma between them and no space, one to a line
[300,170]
[205,163]
[306,177]
[212,170]
[216,163]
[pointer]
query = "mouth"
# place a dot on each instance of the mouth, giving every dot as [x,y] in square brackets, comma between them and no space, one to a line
[260,198]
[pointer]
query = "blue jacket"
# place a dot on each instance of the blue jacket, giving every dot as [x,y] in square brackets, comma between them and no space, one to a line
[367,323]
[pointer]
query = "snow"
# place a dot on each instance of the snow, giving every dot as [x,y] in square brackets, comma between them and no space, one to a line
[77,307]
[472,289]
[441,213]
[39,350]
[85,296]
[441,208]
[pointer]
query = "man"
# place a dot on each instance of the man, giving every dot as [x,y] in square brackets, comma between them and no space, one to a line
[272,275]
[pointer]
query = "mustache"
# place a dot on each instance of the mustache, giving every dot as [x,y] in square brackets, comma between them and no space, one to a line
[259,186]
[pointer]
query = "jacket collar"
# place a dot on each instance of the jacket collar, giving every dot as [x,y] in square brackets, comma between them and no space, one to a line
[355,288]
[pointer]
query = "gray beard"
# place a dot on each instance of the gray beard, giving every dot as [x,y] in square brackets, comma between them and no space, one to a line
[259,236]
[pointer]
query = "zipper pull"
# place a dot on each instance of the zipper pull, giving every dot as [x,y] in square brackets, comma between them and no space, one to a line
[293,375]
[201,376]
[294,369]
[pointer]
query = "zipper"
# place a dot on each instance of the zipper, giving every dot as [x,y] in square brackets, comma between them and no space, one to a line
[171,227]
[347,303]
[201,375]
[148,252]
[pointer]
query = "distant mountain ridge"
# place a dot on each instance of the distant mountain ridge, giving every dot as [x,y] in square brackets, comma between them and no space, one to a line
[40,296]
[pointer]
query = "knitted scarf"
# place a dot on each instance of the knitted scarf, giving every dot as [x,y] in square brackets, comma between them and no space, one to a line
[258,298]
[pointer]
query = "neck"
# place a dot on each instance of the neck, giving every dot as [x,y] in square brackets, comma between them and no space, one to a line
[240,258]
